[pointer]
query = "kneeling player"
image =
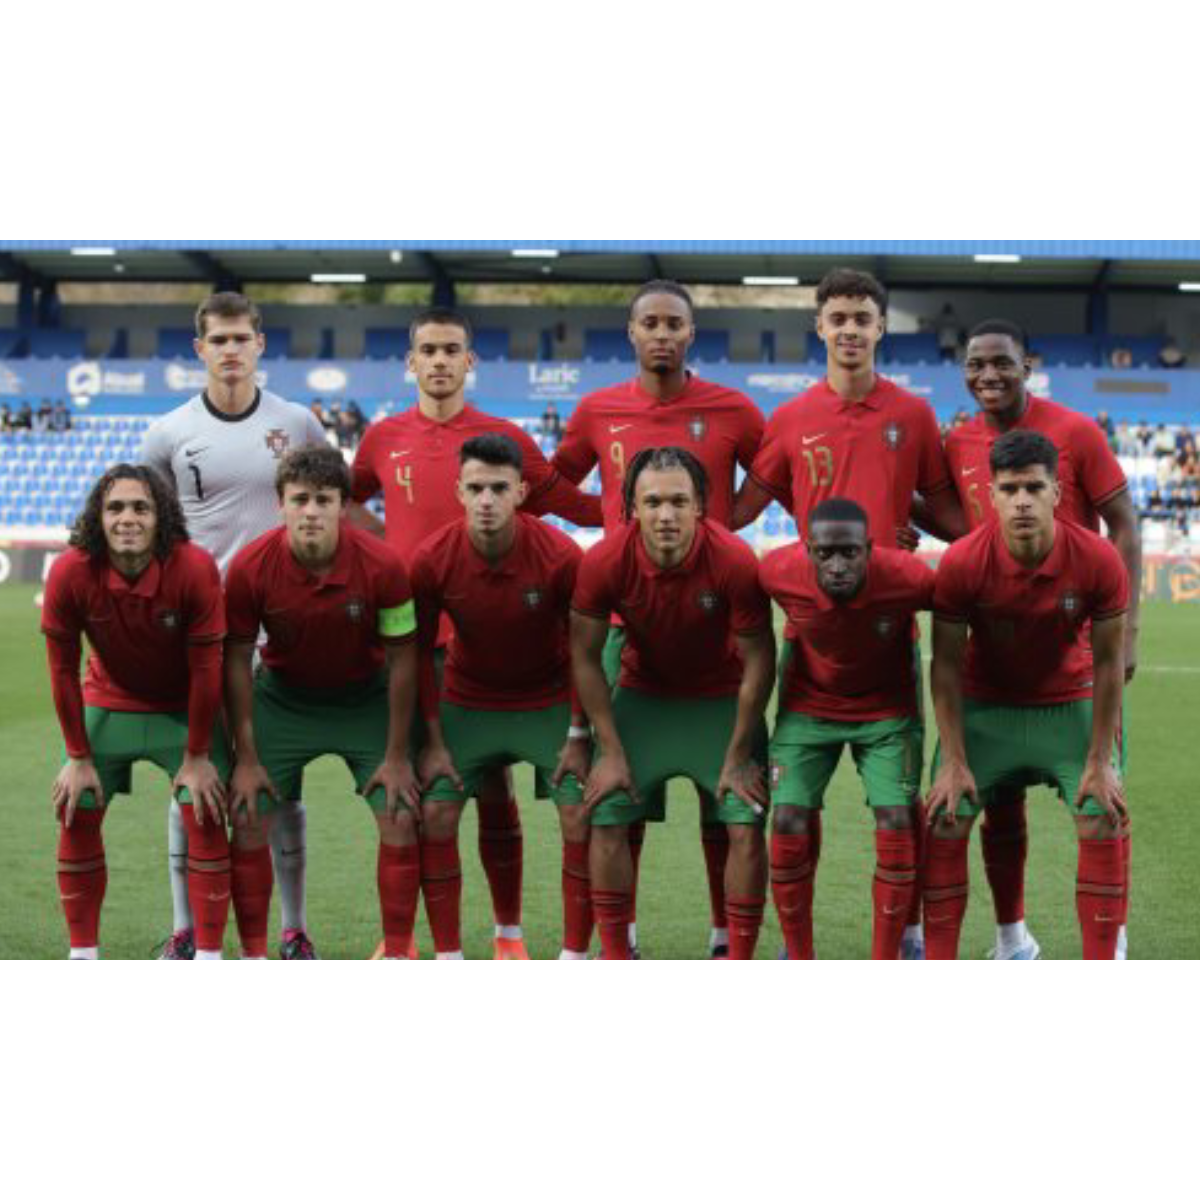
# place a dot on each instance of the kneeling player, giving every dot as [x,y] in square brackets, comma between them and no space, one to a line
[338,677]
[505,580]
[150,604]
[850,681]
[1025,698]
[696,673]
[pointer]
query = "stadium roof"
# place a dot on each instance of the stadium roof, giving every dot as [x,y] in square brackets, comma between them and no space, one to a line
[1074,265]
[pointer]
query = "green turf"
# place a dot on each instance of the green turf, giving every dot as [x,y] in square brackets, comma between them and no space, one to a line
[673,904]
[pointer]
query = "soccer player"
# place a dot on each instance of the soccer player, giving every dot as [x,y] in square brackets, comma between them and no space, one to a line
[221,449]
[339,676]
[1093,486]
[859,436]
[149,601]
[505,580]
[412,458]
[1033,694]
[665,404]
[849,682]
[696,673]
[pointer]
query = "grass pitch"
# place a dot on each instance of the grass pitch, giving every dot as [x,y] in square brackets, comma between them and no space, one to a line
[673,902]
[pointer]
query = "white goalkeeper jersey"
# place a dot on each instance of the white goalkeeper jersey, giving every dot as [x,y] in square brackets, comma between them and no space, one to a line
[224,467]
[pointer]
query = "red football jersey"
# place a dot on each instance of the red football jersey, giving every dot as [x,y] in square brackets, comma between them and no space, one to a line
[322,631]
[1030,628]
[720,426]
[1087,468]
[876,452]
[852,660]
[510,648]
[139,631]
[679,623]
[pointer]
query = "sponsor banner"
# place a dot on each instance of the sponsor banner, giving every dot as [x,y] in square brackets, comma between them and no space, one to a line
[523,389]
[27,562]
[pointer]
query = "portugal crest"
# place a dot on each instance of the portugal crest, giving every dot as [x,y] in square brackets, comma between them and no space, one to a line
[893,435]
[708,601]
[356,609]
[697,428]
[169,619]
[1071,604]
[885,627]
[532,598]
[277,442]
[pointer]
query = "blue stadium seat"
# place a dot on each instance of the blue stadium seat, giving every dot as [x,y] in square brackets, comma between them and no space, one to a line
[385,343]
[8,516]
[1067,350]
[27,516]
[56,343]
[1144,349]
[711,345]
[911,348]
[491,343]
[279,342]
[814,348]
[176,343]
[12,343]
[119,346]
[607,345]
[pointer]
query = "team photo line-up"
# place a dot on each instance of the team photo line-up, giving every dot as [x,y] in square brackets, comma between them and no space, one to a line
[246,614]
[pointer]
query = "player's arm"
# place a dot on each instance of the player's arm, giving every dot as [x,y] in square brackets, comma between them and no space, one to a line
[249,776]
[364,483]
[395,774]
[436,761]
[1121,519]
[954,779]
[750,500]
[78,773]
[940,514]
[611,770]
[575,757]
[361,516]
[1100,780]
[197,773]
[576,454]
[740,773]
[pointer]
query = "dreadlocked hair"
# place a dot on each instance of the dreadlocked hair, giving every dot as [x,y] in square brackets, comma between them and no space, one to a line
[663,458]
[87,534]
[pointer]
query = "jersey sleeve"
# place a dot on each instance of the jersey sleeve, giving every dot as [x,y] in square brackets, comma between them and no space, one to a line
[921,582]
[593,587]
[205,605]
[395,608]
[1110,589]
[772,465]
[550,492]
[242,611]
[61,617]
[1099,473]
[750,434]
[364,478]
[933,473]
[314,435]
[156,452]
[576,453]
[951,589]
[749,605]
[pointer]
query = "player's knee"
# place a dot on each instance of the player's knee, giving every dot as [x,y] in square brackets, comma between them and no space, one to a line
[400,831]
[894,817]
[745,839]
[575,826]
[439,820]
[1090,828]
[609,840]
[251,836]
[788,819]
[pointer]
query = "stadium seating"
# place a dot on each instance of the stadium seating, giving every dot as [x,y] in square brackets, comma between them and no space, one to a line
[1143,349]
[176,343]
[385,343]
[279,342]
[607,345]
[711,345]
[1072,350]
[492,344]
[56,343]
[12,343]
[911,348]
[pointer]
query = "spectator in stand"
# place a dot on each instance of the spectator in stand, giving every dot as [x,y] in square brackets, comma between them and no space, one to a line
[949,333]
[356,422]
[1036,361]
[6,419]
[24,418]
[1121,358]
[1189,466]
[551,423]
[1185,442]
[318,411]
[1163,445]
[1168,471]
[60,418]
[41,418]
[1128,444]
[1170,356]
[1110,430]
[1144,437]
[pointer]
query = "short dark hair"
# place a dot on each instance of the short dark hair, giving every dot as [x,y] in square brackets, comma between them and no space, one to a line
[663,458]
[1003,328]
[838,508]
[844,281]
[663,287]
[439,314]
[1021,448]
[229,305]
[322,466]
[495,449]
[87,534]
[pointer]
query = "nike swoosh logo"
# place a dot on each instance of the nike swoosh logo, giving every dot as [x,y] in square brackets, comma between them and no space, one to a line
[73,896]
[400,453]
[969,471]
[815,438]
[193,453]
[618,428]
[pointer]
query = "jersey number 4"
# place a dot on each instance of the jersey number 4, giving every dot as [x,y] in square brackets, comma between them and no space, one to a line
[404,480]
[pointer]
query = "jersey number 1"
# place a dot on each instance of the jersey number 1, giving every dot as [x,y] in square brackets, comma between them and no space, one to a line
[195,470]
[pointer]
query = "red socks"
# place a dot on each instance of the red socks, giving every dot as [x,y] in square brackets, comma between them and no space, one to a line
[82,876]
[893,888]
[1100,895]
[1127,861]
[637,837]
[502,852]
[946,887]
[714,839]
[208,878]
[576,898]
[793,874]
[252,879]
[613,912]
[1005,845]
[441,881]
[398,873]
[745,920]
[920,838]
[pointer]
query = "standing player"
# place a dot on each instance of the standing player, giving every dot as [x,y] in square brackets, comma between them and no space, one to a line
[339,677]
[221,449]
[505,580]
[849,682]
[855,435]
[696,673]
[413,459]
[149,602]
[665,405]
[1025,699]
[1093,487]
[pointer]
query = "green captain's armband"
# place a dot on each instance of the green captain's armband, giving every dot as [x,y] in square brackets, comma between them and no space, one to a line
[398,622]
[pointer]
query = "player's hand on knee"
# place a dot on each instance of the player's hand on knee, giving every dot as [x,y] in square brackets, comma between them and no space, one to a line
[908,537]
[1100,782]
[745,779]
[245,784]
[78,775]
[954,781]
[437,763]
[608,774]
[205,787]
[575,758]
[401,790]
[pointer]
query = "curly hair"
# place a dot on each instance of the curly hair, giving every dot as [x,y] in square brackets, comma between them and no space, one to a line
[663,458]
[318,466]
[87,534]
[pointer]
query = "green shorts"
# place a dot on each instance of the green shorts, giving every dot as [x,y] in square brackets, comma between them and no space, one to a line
[484,739]
[119,739]
[805,751]
[1021,746]
[293,726]
[664,738]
